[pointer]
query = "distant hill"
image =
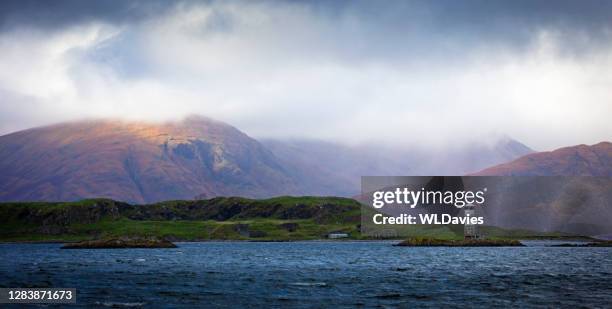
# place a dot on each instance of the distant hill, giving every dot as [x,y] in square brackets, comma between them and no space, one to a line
[137,162]
[142,162]
[581,160]
[326,168]
[577,201]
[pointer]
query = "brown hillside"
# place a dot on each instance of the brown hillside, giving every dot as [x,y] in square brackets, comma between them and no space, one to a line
[137,162]
[581,160]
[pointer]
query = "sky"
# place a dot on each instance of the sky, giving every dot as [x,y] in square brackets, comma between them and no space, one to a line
[398,72]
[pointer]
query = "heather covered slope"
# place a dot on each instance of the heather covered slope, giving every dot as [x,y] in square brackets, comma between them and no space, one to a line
[581,160]
[137,162]
[576,201]
[143,162]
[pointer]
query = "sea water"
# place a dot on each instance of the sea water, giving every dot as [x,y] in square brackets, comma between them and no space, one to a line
[316,275]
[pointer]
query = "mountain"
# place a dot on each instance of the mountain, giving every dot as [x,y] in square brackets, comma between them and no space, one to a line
[326,168]
[137,162]
[575,201]
[142,162]
[581,160]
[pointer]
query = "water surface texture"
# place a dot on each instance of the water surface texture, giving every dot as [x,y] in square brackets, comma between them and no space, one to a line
[315,275]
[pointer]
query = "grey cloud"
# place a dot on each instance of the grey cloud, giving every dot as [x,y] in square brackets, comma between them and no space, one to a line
[386,25]
[443,26]
[344,70]
[54,15]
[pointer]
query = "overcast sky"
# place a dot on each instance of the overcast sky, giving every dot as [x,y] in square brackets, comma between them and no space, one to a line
[403,72]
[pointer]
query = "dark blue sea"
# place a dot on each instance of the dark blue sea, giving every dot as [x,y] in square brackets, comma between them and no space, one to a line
[316,275]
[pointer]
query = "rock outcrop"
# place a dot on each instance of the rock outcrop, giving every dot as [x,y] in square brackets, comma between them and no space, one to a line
[121,243]
[432,242]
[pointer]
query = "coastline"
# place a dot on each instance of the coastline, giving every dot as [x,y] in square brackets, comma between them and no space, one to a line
[326,240]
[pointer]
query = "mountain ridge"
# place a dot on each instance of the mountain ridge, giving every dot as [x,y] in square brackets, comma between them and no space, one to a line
[579,160]
[199,158]
[136,162]
[575,200]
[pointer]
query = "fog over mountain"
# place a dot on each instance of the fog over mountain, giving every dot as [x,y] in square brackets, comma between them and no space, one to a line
[338,168]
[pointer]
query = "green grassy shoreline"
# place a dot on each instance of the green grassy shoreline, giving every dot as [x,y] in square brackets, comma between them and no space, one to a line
[218,219]
[266,230]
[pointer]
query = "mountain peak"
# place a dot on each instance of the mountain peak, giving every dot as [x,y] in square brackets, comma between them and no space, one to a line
[579,160]
[136,162]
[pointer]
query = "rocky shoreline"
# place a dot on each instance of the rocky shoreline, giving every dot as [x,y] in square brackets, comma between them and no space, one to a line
[432,242]
[589,244]
[121,243]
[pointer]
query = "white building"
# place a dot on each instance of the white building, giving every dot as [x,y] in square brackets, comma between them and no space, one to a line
[334,235]
[470,231]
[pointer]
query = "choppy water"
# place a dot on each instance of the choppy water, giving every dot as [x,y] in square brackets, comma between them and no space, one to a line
[315,275]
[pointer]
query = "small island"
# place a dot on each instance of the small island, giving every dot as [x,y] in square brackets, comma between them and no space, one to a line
[120,243]
[433,242]
[607,243]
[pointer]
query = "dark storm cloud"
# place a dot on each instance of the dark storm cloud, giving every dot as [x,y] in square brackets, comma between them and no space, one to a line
[480,17]
[453,26]
[478,14]
[52,15]
[371,29]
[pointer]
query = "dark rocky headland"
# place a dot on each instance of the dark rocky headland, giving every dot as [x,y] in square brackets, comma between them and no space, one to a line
[432,242]
[122,242]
